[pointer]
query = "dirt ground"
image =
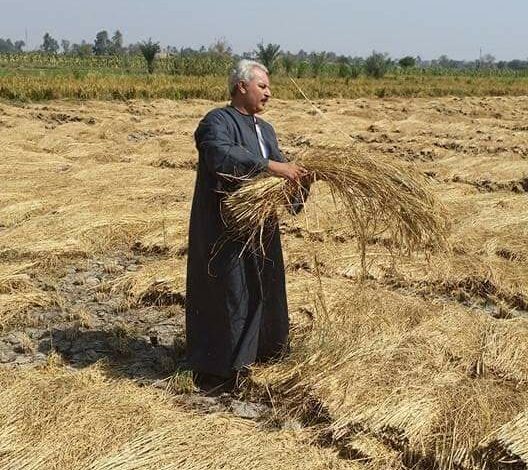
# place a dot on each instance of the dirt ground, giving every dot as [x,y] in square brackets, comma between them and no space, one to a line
[95,200]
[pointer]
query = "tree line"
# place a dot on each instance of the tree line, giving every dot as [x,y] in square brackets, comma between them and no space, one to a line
[299,64]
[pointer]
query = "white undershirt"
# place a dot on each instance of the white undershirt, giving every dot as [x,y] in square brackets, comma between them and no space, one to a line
[262,144]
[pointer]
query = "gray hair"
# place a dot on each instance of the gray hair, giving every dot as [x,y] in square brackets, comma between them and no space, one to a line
[243,72]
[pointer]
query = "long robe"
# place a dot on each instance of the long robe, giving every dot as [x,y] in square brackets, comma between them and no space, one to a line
[236,309]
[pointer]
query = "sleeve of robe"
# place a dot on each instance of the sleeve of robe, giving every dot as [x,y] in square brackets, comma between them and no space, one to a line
[221,154]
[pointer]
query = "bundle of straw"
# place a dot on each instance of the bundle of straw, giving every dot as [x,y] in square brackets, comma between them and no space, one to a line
[377,197]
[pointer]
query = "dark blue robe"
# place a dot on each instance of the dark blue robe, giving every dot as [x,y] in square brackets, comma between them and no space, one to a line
[236,310]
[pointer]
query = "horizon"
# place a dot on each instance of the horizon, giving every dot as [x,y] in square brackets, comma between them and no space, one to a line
[352,30]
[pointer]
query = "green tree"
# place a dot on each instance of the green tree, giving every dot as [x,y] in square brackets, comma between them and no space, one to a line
[356,66]
[82,50]
[268,55]
[116,43]
[288,63]
[377,64]
[343,63]
[221,48]
[407,62]
[49,45]
[133,49]
[302,68]
[444,61]
[517,64]
[149,50]
[65,46]
[318,61]
[6,45]
[102,43]
[487,61]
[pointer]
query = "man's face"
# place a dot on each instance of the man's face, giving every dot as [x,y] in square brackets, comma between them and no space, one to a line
[256,93]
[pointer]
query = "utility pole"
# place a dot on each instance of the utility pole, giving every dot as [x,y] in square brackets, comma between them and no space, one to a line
[26,39]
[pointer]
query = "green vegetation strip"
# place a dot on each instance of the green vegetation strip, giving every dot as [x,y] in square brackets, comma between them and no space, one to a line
[47,86]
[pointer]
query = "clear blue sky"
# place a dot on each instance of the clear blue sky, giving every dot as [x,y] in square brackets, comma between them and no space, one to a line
[405,27]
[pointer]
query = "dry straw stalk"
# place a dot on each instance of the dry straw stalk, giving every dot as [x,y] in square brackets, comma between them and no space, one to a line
[376,196]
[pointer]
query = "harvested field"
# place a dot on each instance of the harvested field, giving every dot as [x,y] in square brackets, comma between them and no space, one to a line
[87,420]
[420,365]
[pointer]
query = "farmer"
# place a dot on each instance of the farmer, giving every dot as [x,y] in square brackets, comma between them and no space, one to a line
[236,310]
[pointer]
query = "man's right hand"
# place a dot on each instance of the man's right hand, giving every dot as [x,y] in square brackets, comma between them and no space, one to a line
[289,171]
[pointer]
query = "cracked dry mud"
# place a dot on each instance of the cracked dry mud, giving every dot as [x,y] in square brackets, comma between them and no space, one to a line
[92,325]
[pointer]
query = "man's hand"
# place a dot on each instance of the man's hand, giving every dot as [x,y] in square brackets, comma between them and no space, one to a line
[289,171]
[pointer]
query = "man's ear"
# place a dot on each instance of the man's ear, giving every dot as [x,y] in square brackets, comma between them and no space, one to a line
[242,87]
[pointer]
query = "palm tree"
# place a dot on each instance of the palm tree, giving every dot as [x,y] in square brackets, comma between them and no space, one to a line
[149,50]
[268,55]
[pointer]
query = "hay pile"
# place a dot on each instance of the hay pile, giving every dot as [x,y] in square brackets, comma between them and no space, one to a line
[375,196]
[83,190]
[54,418]
[431,381]
[487,264]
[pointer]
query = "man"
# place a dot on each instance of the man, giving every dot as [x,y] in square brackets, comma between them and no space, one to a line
[236,311]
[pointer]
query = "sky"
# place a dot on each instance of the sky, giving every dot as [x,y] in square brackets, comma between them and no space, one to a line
[460,29]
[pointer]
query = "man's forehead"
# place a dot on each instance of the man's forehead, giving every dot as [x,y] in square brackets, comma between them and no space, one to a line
[260,76]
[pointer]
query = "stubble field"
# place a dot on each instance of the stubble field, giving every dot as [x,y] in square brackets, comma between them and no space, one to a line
[423,364]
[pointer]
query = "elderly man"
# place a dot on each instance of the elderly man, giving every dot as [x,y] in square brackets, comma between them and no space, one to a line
[236,311]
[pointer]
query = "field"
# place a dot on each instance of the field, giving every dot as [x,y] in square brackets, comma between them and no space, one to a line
[424,364]
[31,86]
